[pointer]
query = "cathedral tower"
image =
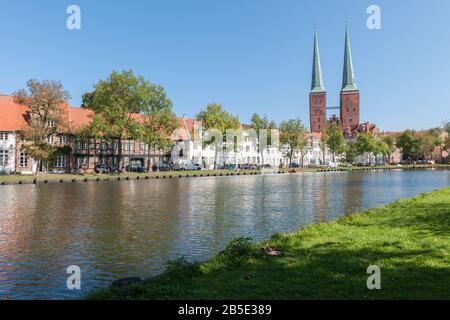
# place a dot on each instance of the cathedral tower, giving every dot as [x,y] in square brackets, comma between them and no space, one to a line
[350,93]
[318,95]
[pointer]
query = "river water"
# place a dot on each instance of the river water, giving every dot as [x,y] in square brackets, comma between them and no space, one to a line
[113,230]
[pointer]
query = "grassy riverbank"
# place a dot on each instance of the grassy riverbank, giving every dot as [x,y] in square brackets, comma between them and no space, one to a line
[409,240]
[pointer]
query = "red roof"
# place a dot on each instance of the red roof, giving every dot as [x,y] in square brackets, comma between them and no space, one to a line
[13,115]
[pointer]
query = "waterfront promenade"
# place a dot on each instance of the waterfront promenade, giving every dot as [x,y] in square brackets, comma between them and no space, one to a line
[73,178]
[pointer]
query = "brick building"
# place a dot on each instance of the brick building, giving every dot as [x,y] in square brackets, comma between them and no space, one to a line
[349,108]
[86,152]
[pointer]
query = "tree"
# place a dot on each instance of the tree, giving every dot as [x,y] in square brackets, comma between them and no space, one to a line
[409,144]
[323,148]
[429,141]
[437,140]
[368,143]
[389,146]
[46,116]
[259,124]
[446,142]
[218,120]
[293,138]
[351,152]
[333,138]
[115,103]
[159,122]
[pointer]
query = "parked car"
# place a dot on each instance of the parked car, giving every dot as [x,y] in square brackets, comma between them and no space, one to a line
[102,168]
[136,168]
[189,167]
[162,167]
[247,166]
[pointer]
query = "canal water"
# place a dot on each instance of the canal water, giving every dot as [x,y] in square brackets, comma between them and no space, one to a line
[113,230]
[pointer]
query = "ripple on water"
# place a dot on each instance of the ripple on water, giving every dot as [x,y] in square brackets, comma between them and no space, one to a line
[131,228]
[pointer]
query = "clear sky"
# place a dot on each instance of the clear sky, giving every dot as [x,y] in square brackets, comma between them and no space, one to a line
[249,55]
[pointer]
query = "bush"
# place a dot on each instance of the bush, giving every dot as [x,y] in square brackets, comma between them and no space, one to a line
[181,266]
[238,250]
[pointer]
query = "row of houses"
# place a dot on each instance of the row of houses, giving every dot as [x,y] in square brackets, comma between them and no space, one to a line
[87,153]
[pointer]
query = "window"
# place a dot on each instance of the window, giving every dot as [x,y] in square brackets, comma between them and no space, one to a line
[50,139]
[60,161]
[63,139]
[50,123]
[82,145]
[3,157]
[23,160]
[128,146]
[82,161]
[3,135]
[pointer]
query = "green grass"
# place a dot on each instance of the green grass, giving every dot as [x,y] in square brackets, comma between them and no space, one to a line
[409,240]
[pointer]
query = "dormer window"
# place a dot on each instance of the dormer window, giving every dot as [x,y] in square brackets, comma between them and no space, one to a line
[50,123]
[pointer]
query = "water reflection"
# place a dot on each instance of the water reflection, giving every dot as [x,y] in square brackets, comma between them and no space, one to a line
[118,229]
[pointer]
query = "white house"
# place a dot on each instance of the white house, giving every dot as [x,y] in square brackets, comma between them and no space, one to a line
[7,152]
[187,149]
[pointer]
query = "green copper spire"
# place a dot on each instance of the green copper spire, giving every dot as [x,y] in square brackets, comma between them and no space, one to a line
[317,81]
[348,82]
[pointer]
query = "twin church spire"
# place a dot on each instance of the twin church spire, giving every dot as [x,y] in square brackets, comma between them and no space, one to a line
[348,79]
[317,79]
[349,108]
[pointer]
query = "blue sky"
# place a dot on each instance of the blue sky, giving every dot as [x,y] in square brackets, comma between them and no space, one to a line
[249,55]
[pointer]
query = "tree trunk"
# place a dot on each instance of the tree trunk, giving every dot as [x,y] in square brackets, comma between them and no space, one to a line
[291,154]
[216,154]
[119,154]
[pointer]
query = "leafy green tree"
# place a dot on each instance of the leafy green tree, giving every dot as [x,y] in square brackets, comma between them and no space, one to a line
[333,138]
[215,119]
[159,122]
[446,142]
[351,152]
[368,143]
[115,103]
[409,144]
[437,140]
[259,124]
[46,102]
[429,140]
[323,147]
[389,146]
[293,138]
